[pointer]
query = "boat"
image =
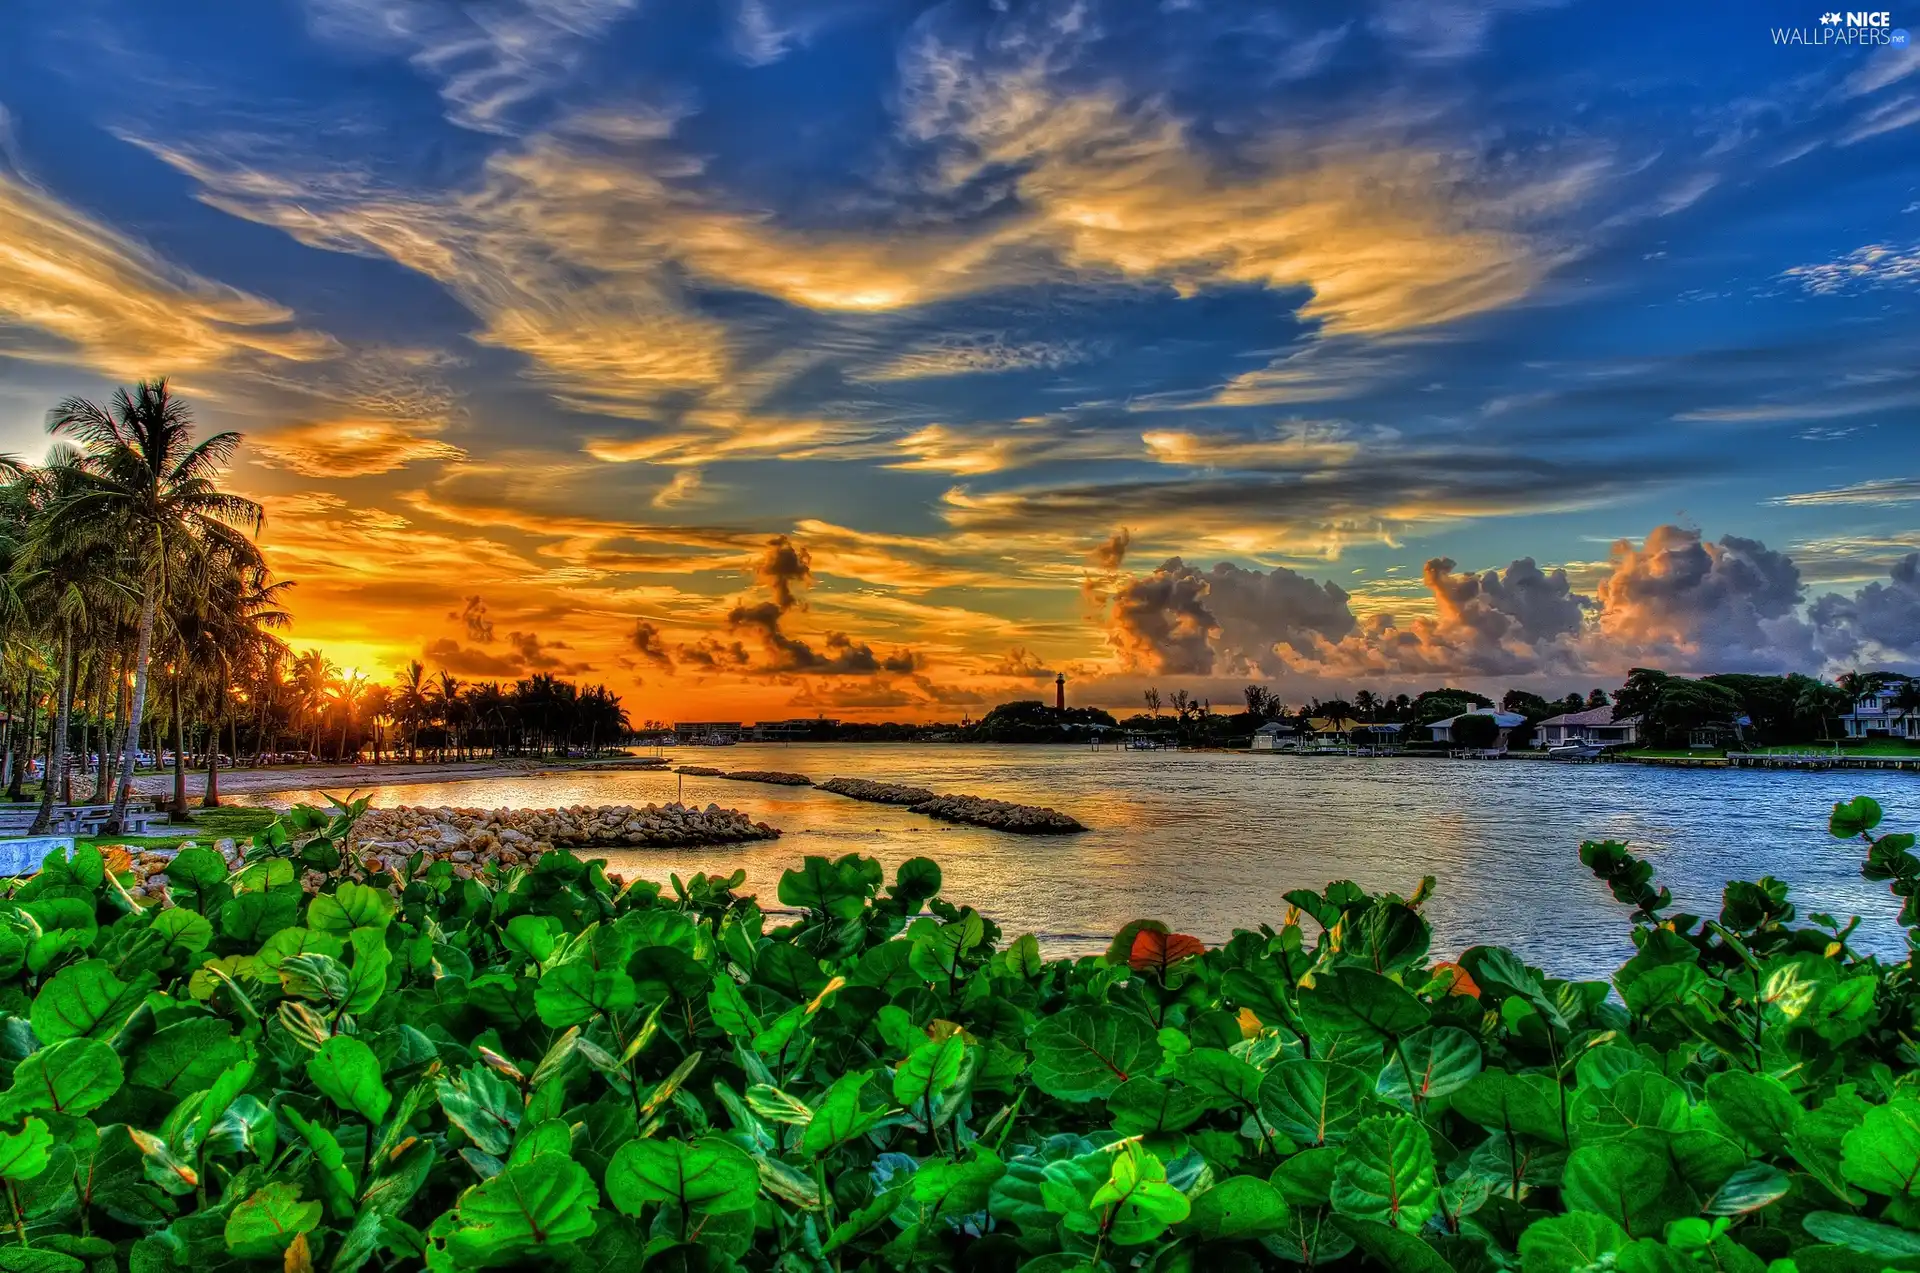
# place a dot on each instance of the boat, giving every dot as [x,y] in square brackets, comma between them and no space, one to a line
[1576,751]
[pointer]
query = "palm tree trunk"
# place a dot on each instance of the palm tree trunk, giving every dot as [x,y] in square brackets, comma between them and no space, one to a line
[143,651]
[57,740]
[178,813]
[24,747]
[110,713]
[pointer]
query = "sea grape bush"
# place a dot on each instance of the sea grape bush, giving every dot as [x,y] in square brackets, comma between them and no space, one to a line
[541,1068]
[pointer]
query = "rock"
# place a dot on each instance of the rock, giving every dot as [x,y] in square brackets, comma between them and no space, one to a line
[473,837]
[773,776]
[1001,815]
[460,855]
[877,792]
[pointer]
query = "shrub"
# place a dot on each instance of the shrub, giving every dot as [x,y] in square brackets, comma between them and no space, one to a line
[1476,731]
[543,1068]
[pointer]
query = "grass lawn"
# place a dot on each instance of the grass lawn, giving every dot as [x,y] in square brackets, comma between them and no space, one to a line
[1875,747]
[234,821]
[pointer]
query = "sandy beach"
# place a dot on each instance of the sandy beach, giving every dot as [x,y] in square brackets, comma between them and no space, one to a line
[342,779]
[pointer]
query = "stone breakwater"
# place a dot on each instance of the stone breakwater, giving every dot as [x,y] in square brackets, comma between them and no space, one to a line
[700,771]
[977,811]
[877,792]
[516,836]
[774,776]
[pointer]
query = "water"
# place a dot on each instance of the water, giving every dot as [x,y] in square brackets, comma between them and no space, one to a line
[1210,841]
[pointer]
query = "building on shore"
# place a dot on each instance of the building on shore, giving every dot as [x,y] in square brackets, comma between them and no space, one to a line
[1442,730]
[1875,716]
[1276,736]
[1595,727]
[798,729]
[706,731]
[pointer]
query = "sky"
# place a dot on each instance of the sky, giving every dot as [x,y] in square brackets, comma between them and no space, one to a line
[870,359]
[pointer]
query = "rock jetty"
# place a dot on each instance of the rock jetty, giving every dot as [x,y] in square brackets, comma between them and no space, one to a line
[1001,815]
[877,792]
[700,771]
[774,776]
[977,811]
[516,836]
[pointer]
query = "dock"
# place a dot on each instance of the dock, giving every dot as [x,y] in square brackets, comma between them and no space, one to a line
[1818,760]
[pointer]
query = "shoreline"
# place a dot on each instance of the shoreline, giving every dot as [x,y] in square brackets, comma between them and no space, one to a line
[344,778]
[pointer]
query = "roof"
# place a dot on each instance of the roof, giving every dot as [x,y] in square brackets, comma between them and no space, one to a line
[1275,727]
[1592,716]
[1329,725]
[1505,720]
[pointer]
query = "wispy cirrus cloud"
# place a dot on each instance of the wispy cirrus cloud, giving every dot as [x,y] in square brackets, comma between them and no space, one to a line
[1876,492]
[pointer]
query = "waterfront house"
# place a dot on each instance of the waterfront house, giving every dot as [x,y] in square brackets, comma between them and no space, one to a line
[1507,721]
[1595,727]
[706,731]
[1276,736]
[1875,716]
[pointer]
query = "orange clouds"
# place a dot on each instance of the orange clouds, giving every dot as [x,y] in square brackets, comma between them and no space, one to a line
[96,298]
[353,448]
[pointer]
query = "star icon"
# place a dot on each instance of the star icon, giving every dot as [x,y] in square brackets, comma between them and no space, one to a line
[1829,19]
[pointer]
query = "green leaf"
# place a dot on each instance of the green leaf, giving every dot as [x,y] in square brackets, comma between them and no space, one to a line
[839,888]
[367,978]
[198,868]
[267,1222]
[74,1076]
[186,1056]
[187,930]
[1391,1248]
[87,999]
[1636,1100]
[1136,1204]
[1238,1207]
[1087,1052]
[24,1154]
[1443,1060]
[1315,1102]
[1144,1105]
[482,1104]
[1883,1153]
[1857,1233]
[348,1074]
[929,1071]
[349,907]
[1758,1108]
[1571,1243]
[730,1010]
[1616,1179]
[1749,1189]
[523,1211]
[1853,817]
[1356,1001]
[1526,1103]
[575,992]
[839,1117]
[710,1175]
[1386,1174]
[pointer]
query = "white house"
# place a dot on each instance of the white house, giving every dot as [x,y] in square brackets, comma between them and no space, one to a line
[1875,716]
[1595,726]
[1274,736]
[1507,721]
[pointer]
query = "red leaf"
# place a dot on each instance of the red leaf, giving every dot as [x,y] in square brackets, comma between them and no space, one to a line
[1162,950]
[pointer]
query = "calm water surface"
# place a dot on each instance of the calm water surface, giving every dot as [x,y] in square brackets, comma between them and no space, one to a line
[1209,842]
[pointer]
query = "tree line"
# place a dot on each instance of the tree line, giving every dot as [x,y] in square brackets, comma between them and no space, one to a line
[138,616]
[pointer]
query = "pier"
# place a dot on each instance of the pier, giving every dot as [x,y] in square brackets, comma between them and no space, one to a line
[1818,760]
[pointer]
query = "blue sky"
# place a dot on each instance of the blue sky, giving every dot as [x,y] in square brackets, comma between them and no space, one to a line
[885,358]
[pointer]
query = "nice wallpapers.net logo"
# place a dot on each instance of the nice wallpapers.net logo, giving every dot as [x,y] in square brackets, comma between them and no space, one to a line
[1846,30]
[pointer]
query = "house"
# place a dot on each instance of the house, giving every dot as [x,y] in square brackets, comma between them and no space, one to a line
[1595,727]
[1276,736]
[1507,721]
[1331,727]
[1875,716]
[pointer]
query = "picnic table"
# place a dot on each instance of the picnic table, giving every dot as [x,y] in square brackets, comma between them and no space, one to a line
[84,819]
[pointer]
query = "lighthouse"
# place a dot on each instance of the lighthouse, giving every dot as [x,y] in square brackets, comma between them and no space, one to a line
[1060,692]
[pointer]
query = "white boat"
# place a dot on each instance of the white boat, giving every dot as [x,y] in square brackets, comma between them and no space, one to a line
[1576,751]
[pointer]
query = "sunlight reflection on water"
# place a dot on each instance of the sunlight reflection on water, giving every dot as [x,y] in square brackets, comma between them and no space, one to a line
[1211,841]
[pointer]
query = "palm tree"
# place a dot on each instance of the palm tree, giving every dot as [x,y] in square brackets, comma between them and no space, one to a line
[146,485]
[1822,701]
[313,676]
[1905,702]
[410,702]
[347,692]
[446,702]
[1365,704]
[240,604]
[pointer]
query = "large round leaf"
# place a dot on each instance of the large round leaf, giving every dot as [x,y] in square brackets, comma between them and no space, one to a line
[1315,1102]
[74,1076]
[1628,1185]
[1355,1001]
[1570,1243]
[1145,1105]
[1238,1207]
[1386,1174]
[1087,1052]
[708,1175]
[1441,1060]
[1883,1152]
[86,999]
[524,1210]
[267,1222]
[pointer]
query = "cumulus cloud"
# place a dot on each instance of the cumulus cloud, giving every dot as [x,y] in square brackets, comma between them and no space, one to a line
[473,616]
[1181,620]
[649,644]
[1674,600]
[1681,601]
